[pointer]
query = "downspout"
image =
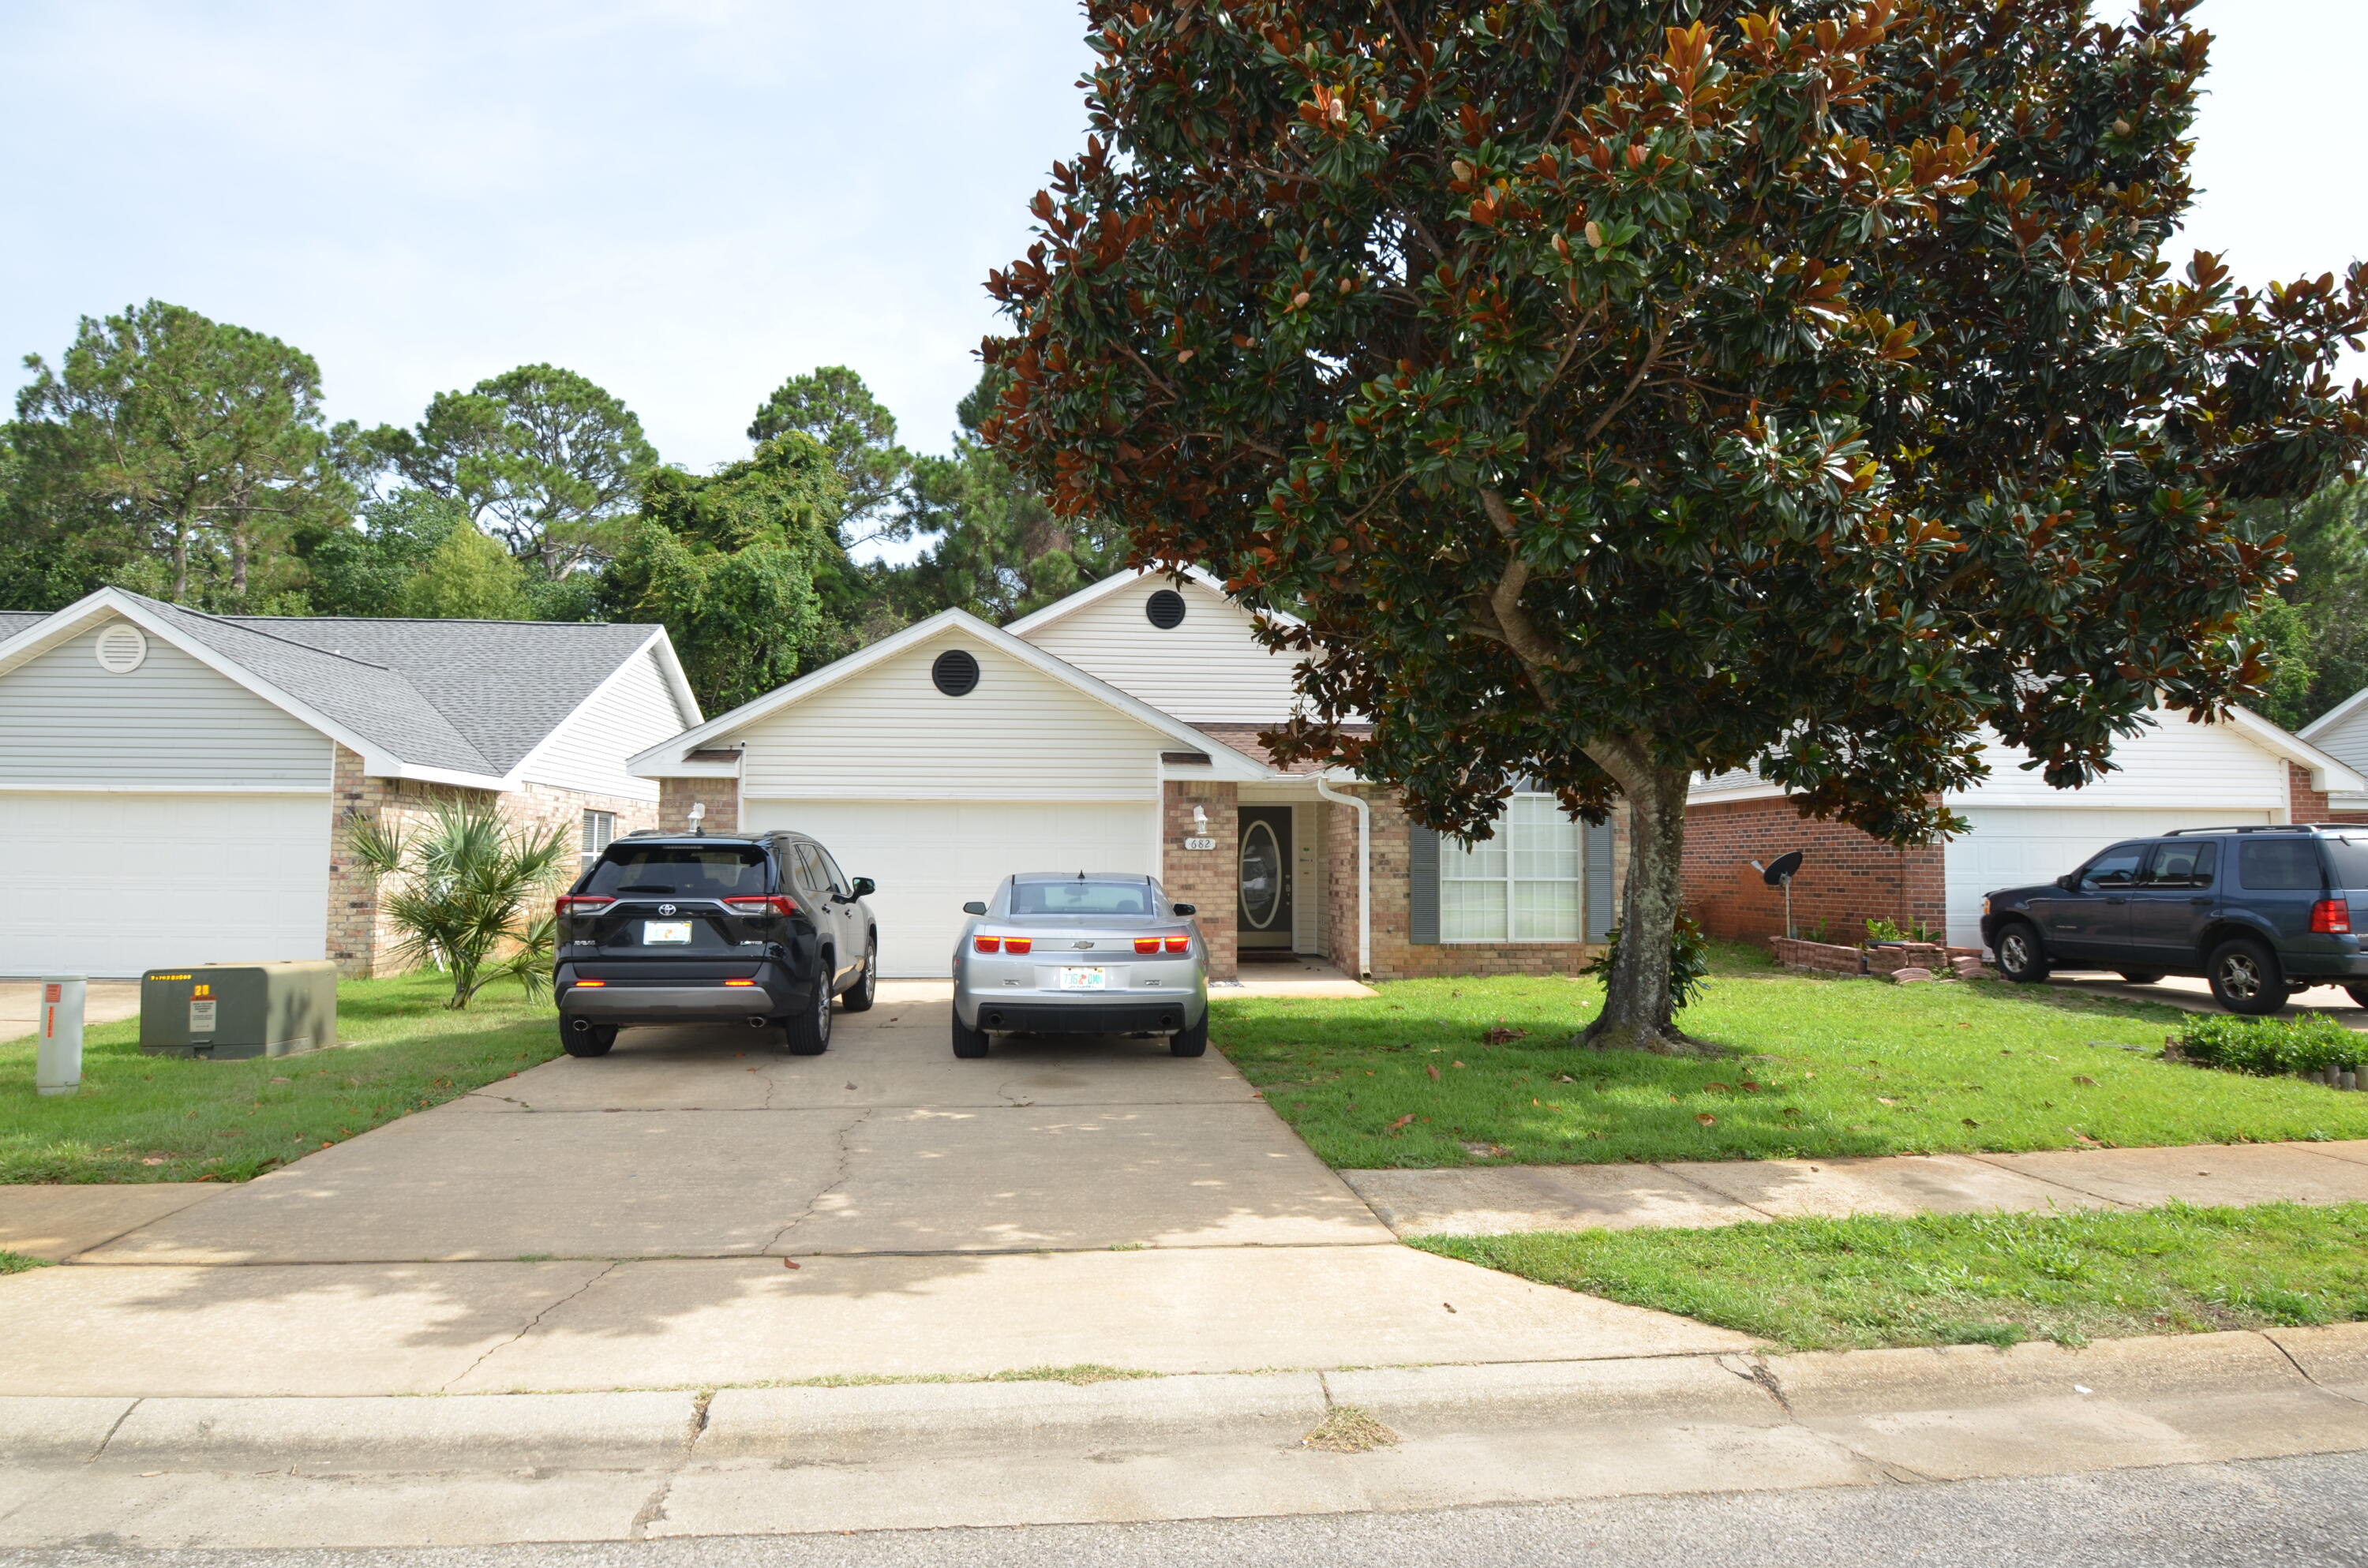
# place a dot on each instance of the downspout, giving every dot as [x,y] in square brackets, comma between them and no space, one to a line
[1364,872]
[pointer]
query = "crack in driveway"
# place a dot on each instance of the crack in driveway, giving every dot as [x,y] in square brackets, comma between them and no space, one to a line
[838,1180]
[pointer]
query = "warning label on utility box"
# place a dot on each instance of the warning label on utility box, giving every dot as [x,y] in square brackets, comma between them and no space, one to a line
[201,1016]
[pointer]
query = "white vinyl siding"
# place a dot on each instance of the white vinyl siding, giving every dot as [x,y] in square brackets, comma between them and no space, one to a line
[1210,669]
[111,884]
[931,857]
[173,723]
[2171,763]
[2022,846]
[2347,741]
[633,711]
[889,734]
[1522,885]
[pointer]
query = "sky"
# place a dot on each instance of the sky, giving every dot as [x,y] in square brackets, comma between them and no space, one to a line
[690,200]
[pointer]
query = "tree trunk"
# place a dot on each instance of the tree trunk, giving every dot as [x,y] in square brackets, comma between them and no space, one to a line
[180,560]
[1636,1003]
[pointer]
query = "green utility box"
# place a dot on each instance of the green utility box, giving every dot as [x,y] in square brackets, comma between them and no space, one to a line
[226,1010]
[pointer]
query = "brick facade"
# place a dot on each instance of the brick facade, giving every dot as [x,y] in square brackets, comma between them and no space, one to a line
[1846,877]
[361,939]
[720,796]
[1206,878]
[2311,805]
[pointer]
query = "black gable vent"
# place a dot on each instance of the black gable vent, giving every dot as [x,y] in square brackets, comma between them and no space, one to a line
[1164,609]
[955,673]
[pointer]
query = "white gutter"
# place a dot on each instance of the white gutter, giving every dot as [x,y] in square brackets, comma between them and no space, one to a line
[1364,873]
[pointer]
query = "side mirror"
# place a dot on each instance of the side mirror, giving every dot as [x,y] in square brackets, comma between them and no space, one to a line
[973,907]
[1188,909]
[865,887]
[2069,881]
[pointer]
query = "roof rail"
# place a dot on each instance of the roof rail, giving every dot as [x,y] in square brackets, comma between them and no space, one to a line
[2244,828]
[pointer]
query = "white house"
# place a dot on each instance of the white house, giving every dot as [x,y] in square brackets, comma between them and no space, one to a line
[2343,732]
[170,781]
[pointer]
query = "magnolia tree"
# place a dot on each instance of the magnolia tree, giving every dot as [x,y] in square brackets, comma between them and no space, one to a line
[1617,401]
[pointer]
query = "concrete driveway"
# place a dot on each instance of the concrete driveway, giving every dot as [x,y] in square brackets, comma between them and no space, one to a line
[623,1222]
[105,1002]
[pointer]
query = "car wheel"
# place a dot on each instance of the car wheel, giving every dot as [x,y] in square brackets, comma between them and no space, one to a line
[1193,1041]
[594,1041]
[967,1041]
[858,997]
[2359,994]
[809,1029]
[2245,977]
[2141,976]
[2020,957]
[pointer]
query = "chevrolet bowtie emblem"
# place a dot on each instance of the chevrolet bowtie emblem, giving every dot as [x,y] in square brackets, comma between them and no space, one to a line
[1084,944]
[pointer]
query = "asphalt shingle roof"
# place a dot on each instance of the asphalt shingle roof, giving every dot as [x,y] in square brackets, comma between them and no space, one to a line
[473,696]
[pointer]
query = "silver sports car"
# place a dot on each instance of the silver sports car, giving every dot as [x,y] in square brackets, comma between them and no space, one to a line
[1081,954]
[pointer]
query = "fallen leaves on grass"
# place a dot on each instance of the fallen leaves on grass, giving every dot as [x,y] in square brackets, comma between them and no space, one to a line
[1501,1035]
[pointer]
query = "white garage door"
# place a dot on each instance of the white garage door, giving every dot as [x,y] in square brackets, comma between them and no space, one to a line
[112,884]
[2018,846]
[931,856]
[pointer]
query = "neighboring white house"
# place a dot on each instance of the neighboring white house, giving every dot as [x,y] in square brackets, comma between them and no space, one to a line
[2343,732]
[170,781]
[2241,771]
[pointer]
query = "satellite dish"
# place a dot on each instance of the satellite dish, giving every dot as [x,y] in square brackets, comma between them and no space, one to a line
[1784,869]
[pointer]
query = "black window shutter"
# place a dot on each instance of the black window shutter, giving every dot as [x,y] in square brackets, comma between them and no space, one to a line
[1422,892]
[1598,880]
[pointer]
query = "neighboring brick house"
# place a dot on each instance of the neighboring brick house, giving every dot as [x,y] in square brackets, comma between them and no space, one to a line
[2240,771]
[1117,730]
[173,785]
[2343,732]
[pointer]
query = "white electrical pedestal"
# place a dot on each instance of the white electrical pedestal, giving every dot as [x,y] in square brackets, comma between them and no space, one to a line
[57,1066]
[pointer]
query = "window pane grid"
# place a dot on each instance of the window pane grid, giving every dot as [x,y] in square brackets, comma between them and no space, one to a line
[1522,885]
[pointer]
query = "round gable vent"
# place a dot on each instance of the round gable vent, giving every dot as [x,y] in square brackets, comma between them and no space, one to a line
[1164,609]
[955,673]
[121,649]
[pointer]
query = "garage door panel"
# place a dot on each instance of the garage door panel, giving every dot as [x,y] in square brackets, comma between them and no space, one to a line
[112,884]
[2013,846]
[930,857]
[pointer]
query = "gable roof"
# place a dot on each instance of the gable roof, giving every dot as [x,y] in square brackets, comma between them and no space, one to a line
[2334,717]
[1094,593]
[455,701]
[672,758]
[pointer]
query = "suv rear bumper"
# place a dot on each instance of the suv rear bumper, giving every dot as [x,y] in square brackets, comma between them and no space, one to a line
[671,1004]
[2326,966]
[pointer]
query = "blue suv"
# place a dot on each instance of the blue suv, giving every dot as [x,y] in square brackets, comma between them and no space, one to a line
[2260,912]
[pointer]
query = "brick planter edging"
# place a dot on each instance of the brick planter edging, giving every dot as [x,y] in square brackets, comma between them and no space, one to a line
[1904,961]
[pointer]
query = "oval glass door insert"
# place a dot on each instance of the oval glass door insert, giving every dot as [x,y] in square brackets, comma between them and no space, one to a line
[1262,876]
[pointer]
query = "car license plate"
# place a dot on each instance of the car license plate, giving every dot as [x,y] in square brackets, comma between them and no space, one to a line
[656,931]
[1084,979]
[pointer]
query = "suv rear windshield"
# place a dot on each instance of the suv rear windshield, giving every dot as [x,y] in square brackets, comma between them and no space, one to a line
[1081,898]
[2348,859]
[683,870]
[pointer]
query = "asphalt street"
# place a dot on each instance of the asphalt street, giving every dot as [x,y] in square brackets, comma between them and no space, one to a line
[2298,1512]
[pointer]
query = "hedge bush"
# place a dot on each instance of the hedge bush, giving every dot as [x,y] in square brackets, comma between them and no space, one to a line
[2272,1048]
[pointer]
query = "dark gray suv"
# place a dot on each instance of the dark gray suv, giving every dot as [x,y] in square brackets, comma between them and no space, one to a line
[761,930]
[2260,912]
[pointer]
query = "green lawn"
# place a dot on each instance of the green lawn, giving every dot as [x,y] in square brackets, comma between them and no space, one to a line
[1819,1067]
[1968,1279]
[146,1118]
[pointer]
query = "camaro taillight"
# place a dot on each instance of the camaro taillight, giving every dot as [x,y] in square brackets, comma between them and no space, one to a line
[2331,917]
[1180,944]
[1018,944]
[758,908]
[1146,944]
[987,943]
[582,902]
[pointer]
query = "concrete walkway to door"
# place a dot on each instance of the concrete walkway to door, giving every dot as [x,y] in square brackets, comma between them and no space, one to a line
[623,1222]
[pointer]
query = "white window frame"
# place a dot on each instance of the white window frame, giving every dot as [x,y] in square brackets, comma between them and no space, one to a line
[600,832]
[1452,854]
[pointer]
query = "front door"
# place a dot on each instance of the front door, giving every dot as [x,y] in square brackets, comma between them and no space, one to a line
[1262,911]
[2090,921]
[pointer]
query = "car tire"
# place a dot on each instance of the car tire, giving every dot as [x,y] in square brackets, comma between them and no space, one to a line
[2141,976]
[2021,957]
[1193,1041]
[858,997]
[2246,978]
[594,1041]
[968,1042]
[2359,994]
[809,1027]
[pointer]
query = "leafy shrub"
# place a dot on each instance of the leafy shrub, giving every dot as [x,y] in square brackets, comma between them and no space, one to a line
[2271,1048]
[1689,960]
[1879,930]
[458,889]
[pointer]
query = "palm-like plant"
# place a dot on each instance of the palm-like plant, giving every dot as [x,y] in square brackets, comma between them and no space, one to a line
[466,880]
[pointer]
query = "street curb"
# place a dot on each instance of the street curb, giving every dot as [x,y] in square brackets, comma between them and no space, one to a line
[631,1429]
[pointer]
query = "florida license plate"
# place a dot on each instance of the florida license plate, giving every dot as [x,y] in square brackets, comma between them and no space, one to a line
[656,931]
[1084,979]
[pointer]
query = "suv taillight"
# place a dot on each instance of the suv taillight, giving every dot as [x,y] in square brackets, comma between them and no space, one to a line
[581,904]
[2331,917]
[758,908]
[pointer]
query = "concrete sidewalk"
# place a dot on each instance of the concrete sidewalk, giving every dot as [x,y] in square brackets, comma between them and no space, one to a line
[1494,1200]
[166,1473]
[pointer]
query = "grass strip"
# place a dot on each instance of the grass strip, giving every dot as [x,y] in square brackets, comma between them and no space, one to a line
[1436,1073]
[1870,1282]
[156,1119]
